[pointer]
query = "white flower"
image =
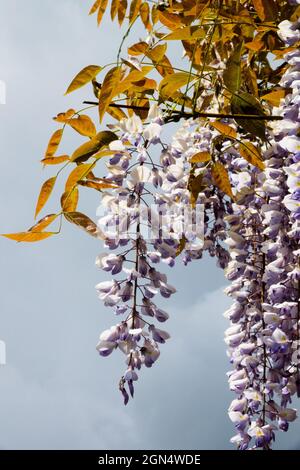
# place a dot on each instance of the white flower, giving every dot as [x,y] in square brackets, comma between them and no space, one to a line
[290,143]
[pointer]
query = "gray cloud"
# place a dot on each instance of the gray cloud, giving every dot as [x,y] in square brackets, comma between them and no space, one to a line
[55,392]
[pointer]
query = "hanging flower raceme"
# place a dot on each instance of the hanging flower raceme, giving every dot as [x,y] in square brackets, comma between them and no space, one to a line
[263,339]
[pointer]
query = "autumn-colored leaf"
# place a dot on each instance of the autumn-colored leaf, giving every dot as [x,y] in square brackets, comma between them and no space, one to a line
[43,223]
[226,130]
[28,236]
[232,73]
[85,76]
[138,48]
[64,117]
[95,7]
[181,246]
[145,15]
[172,83]
[45,193]
[251,153]
[108,89]
[200,157]
[122,11]
[55,160]
[195,186]
[82,221]
[114,8]
[54,143]
[84,125]
[69,200]
[101,10]
[77,174]
[244,103]
[93,146]
[275,97]
[99,186]
[266,9]
[221,178]
[134,10]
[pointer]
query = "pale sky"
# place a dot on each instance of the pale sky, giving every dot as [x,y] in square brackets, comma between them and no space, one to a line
[55,391]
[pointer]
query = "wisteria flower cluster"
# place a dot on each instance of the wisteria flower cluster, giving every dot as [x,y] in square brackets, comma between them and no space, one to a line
[255,238]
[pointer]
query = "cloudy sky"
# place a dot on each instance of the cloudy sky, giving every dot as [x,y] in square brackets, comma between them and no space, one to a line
[55,391]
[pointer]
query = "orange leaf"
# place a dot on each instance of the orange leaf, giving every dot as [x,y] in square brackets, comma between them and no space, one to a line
[108,89]
[101,11]
[85,76]
[122,11]
[200,157]
[84,125]
[43,223]
[134,10]
[64,117]
[69,200]
[145,15]
[251,153]
[28,236]
[224,129]
[95,7]
[275,97]
[266,9]
[54,143]
[55,160]
[221,178]
[77,174]
[114,8]
[45,193]
[98,186]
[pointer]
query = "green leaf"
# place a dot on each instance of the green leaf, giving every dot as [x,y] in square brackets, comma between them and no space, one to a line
[244,103]
[232,73]
[86,150]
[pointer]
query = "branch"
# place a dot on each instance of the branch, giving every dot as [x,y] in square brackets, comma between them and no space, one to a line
[177,115]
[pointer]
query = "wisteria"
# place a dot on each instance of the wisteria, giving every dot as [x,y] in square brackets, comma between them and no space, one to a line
[255,239]
[226,184]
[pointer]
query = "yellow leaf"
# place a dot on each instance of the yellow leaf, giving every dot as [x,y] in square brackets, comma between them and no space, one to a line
[195,186]
[69,200]
[134,10]
[77,174]
[275,97]
[85,76]
[43,223]
[122,11]
[138,48]
[55,160]
[95,7]
[187,33]
[172,83]
[28,236]
[45,193]
[145,15]
[157,53]
[200,157]
[181,246]
[84,125]
[255,45]
[221,178]
[82,221]
[266,9]
[64,117]
[101,11]
[114,8]
[86,150]
[108,89]
[251,153]
[170,20]
[226,130]
[54,143]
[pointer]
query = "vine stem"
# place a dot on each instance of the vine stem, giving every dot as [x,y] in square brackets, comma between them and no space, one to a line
[177,115]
